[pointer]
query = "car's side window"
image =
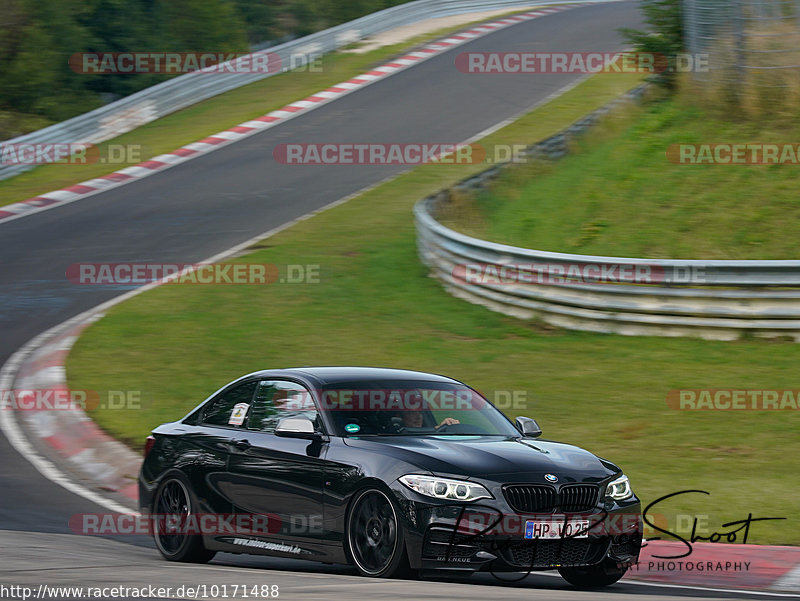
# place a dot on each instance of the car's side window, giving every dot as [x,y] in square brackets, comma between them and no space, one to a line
[276,399]
[231,407]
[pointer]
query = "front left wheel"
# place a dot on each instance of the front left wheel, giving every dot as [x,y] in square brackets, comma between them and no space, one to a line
[375,537]
[174,503]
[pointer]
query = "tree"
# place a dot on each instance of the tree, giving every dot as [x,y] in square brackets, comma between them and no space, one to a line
[664,37]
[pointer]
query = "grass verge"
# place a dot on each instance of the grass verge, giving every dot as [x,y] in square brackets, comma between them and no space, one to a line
[376,305]
[619,195]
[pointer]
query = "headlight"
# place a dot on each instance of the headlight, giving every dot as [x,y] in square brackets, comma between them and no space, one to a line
[445,488]
[619,489]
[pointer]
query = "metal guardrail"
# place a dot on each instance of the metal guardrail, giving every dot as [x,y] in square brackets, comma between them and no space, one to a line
[718,299]
[174,94]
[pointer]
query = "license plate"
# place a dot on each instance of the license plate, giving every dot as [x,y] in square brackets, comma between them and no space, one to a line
[557,528]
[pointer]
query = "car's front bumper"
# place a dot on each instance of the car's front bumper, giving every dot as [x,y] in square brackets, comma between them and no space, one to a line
[488,535]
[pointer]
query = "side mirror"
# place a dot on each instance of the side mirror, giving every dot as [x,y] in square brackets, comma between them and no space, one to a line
[297,427]
[528,427]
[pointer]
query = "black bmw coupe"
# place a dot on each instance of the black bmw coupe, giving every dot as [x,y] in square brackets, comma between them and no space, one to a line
[395,472]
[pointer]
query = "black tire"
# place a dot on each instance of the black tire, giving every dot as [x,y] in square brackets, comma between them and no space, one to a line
[603,574]
[174,499]
[375,538]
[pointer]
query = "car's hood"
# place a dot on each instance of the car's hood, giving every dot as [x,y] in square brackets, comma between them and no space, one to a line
[514,459]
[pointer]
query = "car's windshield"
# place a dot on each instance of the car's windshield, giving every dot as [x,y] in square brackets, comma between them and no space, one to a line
[411,408]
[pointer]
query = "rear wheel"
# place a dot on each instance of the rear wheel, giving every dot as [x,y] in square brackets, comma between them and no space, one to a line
[173,505]
[603,574]
[375,538]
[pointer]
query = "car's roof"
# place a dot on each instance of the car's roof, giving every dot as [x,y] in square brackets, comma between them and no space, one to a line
[332,375]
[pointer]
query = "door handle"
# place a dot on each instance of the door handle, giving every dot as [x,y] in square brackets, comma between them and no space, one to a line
[241,444]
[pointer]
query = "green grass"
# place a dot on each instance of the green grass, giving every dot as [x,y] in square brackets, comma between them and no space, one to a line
[211,116]
[376,305]
[13,124]
[618,194]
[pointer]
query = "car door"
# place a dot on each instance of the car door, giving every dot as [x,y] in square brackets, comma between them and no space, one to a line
[278,476]
[205,446]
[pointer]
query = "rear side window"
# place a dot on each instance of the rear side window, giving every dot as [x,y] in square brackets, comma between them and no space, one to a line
[231,407]
[276,399]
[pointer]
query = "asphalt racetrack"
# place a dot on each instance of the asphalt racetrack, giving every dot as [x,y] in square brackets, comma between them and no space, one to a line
[202,207]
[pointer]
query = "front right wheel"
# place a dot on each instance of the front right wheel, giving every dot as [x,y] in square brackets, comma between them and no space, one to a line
[375,537]
[603,574]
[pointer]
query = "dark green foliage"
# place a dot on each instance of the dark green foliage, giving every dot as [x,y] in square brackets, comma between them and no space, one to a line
[38,37]
[664,36]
